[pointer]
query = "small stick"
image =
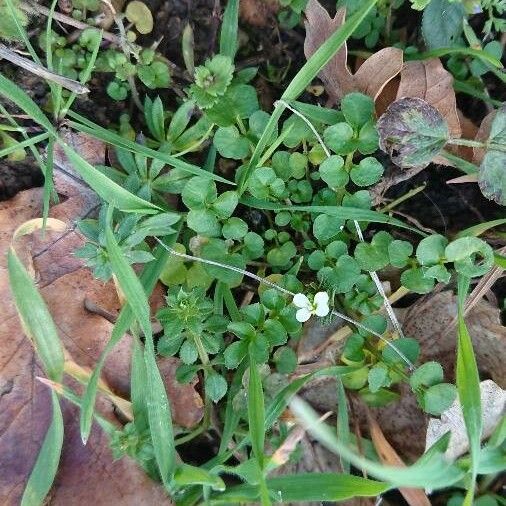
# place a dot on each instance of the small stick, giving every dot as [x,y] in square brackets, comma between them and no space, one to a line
[39,70]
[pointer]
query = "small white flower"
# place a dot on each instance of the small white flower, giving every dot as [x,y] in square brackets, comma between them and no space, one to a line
[319,306]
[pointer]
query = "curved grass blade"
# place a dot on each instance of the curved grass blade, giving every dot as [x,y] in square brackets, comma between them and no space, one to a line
[430,471]
[96,131]
[256,412]
[345,213]
[228,35]
[107,189]
[468,386]
[40,328]
[149,277]
[31,141]
[317,487]
[15,94]
[45,468]
[305,75]
[159,413]
[478,229]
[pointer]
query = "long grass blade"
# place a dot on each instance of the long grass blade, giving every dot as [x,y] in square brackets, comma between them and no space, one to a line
[468,386]
[228,35]
[305,75]
[84,125]
[159,413]
[256,412]
[111,192]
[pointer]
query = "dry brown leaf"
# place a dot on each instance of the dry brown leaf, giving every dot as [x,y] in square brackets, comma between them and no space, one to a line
[387,455]
[258,13]
[24,402]
[428,80]
[482,135]
[371,77]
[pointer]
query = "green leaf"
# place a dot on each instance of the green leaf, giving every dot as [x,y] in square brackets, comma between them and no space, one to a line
[15,94]
[204,222]
[438,398]
[285,359]
[427,374]
[492,175]
[377,377]
[357,109]
[256,412]
[442,23]
[186,475]
[310,487]
[470,256]
[413,279]
[216,386]
[46,466]
[407,345]
[217,251]
[339,138]
[228,34]
[412,132]
[367,172]
[431,250]
[149,277]
[399,252]
[468,386]
[230,143]
[225,204]
[333,173]
[480,228]
[343,276]
[234,228]
[325,227]
[431,470]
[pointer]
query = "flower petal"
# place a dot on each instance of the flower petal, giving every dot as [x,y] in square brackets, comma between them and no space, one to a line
[321,298]
[322,310]
[303,315]
[300,300]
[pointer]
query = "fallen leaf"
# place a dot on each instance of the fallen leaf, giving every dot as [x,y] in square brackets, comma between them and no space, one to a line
[430,81]
[493,406]
[371,77]
[412,132]
[482,135]
[258,13]
[24,403]
[387,455]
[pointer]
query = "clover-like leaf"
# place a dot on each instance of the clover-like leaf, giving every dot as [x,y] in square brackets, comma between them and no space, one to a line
[492,176]
[412,132]
[139,14]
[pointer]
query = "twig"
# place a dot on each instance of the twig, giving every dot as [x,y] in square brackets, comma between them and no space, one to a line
[39,70]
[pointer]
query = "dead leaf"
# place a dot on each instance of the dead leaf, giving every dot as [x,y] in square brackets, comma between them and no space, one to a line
[387,455]
[24,403]
[468,178]
[371,77]
[430,81]
[482,135]
[258,13]
[493,405]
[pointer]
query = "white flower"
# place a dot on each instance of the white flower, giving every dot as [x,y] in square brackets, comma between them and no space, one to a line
[319,306]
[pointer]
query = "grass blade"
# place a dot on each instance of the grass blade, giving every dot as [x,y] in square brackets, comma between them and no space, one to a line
[159,413]
[468,386]
[31,141]
[256,412]
[139,387]
[317,487]
[107,189]
[113,138]
[149,277]
[40,328]
[15,94]
[430,471]
[345,213]
[45,468]
[305,75]
[228,36]
[35,318]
